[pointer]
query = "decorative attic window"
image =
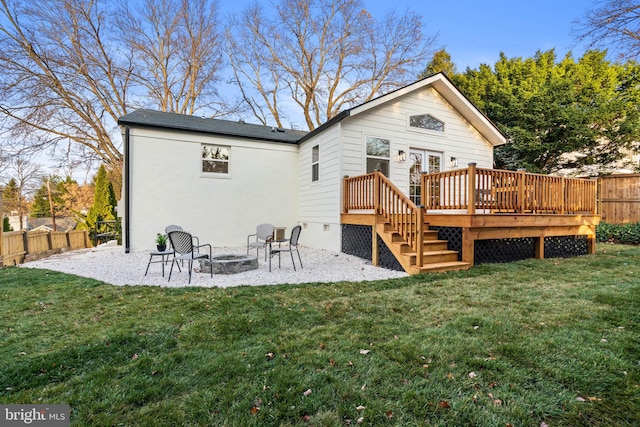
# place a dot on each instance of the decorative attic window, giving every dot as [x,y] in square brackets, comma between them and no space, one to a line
[215,158]
[426,121]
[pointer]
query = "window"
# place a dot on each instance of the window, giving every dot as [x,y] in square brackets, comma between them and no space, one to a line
[425,121]
[378,155]
[215,158]
[315,163]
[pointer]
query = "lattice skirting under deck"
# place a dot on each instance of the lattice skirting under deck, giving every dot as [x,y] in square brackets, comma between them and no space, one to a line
[356,240]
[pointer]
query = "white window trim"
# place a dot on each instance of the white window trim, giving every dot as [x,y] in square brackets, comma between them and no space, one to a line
[215,175]
[316,163]
[367,156]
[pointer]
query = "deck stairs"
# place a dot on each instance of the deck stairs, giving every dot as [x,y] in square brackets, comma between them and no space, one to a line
[436,257]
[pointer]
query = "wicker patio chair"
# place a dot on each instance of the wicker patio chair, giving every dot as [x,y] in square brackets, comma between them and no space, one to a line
[184,250]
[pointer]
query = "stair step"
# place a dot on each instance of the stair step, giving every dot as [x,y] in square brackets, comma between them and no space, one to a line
[442,267]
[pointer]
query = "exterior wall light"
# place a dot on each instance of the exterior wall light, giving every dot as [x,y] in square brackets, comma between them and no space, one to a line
[453,162]
[402,156]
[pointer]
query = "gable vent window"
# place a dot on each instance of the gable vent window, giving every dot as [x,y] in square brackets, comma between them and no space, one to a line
[315,163]
[426,121]
[215,158]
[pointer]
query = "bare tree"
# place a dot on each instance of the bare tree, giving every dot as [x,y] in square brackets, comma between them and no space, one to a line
[69,71]
[25,175]
[614,23]
[325,55]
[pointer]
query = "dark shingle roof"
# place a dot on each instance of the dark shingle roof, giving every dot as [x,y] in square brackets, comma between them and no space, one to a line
[159,119]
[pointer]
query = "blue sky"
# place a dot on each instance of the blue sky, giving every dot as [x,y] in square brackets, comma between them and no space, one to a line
[475,31]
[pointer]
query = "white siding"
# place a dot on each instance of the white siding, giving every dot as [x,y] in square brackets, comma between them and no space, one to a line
[319,201]
[390,121]
[168,187]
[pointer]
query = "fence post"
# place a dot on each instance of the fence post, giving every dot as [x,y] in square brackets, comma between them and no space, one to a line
[1,231]
[471,190]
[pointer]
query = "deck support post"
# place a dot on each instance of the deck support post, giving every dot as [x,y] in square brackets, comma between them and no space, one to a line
[539,246]
[468,246]
[375,255]
[591,242]
[521,190]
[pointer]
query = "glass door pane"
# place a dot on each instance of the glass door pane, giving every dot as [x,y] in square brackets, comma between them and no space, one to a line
[415,172]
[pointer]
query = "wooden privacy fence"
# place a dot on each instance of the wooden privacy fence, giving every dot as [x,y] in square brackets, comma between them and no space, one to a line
[20,246]
[497,191]
[619,198]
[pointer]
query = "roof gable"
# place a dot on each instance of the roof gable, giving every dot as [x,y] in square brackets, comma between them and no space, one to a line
[447,90]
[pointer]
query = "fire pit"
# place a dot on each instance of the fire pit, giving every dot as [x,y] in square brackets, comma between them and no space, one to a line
[229,264]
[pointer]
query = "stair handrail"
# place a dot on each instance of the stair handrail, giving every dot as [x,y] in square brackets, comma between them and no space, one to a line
[401,213]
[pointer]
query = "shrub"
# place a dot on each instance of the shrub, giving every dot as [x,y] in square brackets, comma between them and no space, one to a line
[628,234]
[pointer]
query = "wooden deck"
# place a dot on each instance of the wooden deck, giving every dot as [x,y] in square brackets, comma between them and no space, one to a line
[483,203]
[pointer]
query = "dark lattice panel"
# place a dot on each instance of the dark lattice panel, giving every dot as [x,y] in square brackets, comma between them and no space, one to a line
[565,246]
[356,240]
[503,250]
[386,257]
[453,236]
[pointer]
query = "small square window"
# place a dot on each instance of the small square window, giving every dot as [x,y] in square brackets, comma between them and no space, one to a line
[215,158]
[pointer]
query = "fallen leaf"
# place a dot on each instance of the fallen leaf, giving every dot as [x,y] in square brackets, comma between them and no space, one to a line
[360,408]
[581,399]
[490,358]
[497,402]
[360,420]
[444,404]
[254,410]
[472,375]
[307,392]
[450,376]
[593,398]
[306,418]
[363,386]
[362,351]
[135,356]
[543,424]
[389,414]
[270,356]
[154,373]
[322,346]
[332,362]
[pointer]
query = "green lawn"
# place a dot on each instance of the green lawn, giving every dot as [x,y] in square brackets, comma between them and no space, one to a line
[541,341]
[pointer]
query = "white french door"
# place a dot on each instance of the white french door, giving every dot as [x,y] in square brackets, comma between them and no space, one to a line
[421,161]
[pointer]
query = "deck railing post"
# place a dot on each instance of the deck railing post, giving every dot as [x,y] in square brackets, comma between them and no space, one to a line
[420,236]
[376,193]
[521,190]
[563,196]
[471,189]
[345,194]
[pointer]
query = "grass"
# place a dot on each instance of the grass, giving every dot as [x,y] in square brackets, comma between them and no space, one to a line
[541,341]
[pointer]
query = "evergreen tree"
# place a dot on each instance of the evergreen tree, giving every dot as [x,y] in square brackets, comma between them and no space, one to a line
[566,114]
[6,227]
[40,205]
[440,63]
[104,201]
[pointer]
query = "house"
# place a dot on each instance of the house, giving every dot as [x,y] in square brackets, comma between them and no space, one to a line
[219,179]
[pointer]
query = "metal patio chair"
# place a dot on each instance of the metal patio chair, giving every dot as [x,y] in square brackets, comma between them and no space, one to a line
[184,250]
[260,239]
[291,246]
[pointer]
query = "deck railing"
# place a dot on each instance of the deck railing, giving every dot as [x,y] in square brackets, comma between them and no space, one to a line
[376,192]
[498,191]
